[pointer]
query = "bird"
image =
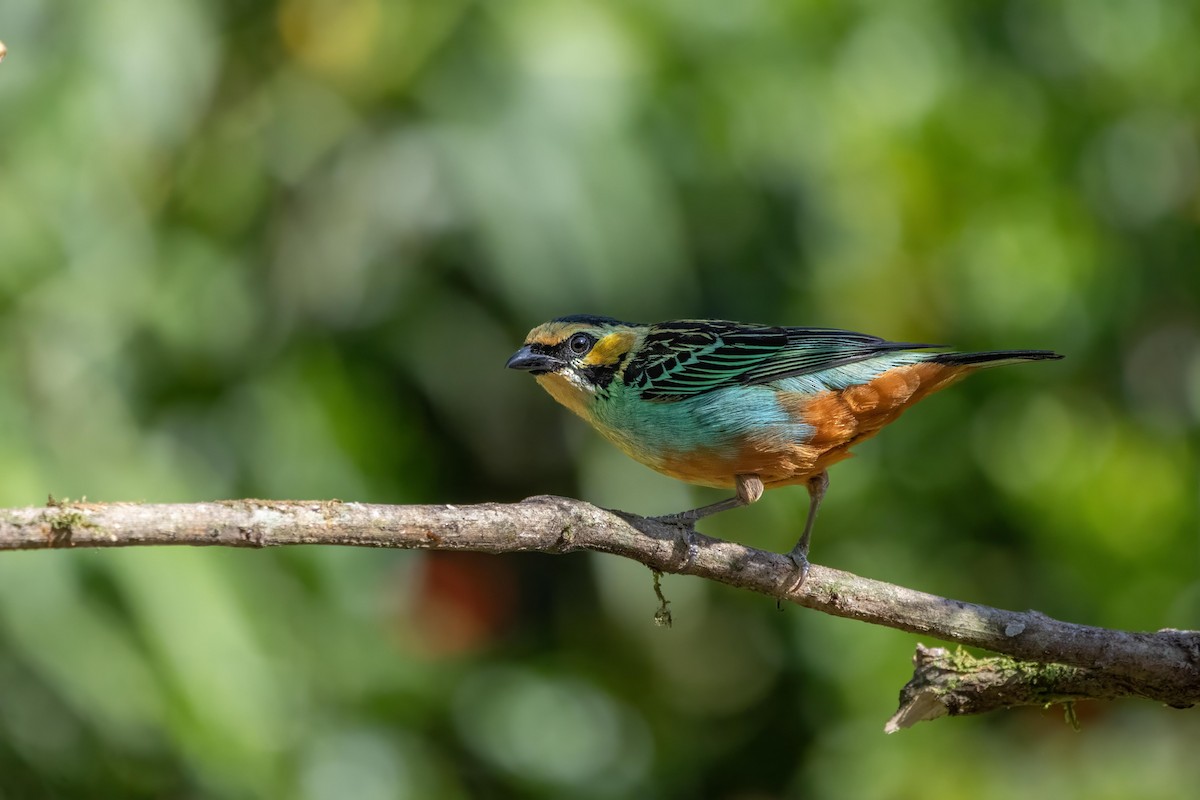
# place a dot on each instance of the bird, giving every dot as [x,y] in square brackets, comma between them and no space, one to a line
[740,406]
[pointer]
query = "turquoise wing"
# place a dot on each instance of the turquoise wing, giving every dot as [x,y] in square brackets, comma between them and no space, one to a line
[686,358]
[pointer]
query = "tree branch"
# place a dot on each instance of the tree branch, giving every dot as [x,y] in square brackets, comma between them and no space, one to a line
[1048,660]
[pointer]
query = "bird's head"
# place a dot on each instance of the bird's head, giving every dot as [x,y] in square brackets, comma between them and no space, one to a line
[576,358]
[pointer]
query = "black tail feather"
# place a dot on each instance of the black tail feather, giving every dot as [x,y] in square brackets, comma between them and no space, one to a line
[995,358]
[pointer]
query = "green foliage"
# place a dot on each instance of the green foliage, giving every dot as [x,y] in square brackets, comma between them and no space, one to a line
[256,251]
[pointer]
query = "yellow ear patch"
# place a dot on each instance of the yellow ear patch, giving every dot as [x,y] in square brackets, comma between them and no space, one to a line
[610,349]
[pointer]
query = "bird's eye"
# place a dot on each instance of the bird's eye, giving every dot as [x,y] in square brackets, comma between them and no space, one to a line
[580,343]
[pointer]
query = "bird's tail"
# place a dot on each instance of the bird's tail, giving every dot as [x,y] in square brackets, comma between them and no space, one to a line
[994,358]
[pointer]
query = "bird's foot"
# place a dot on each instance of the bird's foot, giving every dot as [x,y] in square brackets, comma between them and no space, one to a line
[685,542]
[800,560]
[684,519]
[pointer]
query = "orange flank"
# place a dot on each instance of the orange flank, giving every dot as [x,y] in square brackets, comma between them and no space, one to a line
[840,419]
[843,419]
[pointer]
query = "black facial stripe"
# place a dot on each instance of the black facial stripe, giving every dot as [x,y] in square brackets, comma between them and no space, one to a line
[560,350]
[563,350]
[602,375]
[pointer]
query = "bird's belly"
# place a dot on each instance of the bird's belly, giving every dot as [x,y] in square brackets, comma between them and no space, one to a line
[709,439]
[776,466]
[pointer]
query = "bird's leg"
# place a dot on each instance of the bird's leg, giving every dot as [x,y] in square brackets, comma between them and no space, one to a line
[749,489]
[817,485]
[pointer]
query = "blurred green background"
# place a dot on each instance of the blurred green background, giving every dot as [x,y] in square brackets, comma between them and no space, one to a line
[283,250]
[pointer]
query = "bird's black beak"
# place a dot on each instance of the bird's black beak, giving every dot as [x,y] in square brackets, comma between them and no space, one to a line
[537,363]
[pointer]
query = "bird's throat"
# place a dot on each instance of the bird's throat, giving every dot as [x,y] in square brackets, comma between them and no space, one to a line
[569,393]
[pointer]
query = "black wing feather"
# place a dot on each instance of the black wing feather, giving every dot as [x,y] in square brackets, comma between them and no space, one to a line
[690,357]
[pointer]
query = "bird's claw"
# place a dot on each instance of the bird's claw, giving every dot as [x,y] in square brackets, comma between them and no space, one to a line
[801,562]
[691,548]
[686,541]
